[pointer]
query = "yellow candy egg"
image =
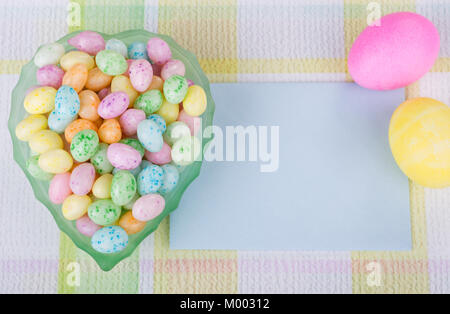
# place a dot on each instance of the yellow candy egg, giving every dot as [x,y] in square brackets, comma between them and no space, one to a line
[75,57]
[419,136]
[29,126]
[102,186]
[75,206]
[168,111]
[40,100]
[45,140]
[194,102]
[121,83]
[55,161]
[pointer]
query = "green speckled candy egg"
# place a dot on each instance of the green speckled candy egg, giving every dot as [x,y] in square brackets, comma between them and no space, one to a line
[175,88]
[104,212]
[135,144]
[149,102]
[111,62]
[84,145]
[123,187]
[100,161]
[36,171]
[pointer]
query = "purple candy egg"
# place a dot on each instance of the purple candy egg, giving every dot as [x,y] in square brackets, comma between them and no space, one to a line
[123,157]
[113,105]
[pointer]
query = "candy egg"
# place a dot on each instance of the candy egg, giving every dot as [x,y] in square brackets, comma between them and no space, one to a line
[175,89]
[135,144]
[110,240]
[149,180]
[395,53]
[164,156]
[86,226]
[59,188]
[111,62]
[123,187]
[149,102]
[30,126]
[100,160]
[97,80]
[104,92]
[158,51]
[50,75]
[113,105]
[102,186]
[35,170]
[150,136]
[76,77]
[172,67]
[122,83]
[419,136]
[110,132]
[194,123]
[169,111]
[75,57]
[186,150]
[175,131]
[148,207]
[76,126]
[129,205]
[75,206]
[170,179]
[67,102]
[137,50]
[88,41]
[130,224]
[104,212]
[141,74]
[84,145]
[157,83]
[55,161]
[194,104]
[127,72]
[59,123]
[117,46]
[40,100]
[49,54]
[129,121]
[82,179]
[123,156]
[44,141]
[159,121]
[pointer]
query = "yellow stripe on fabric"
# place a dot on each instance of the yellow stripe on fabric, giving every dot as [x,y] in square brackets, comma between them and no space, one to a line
[12,66]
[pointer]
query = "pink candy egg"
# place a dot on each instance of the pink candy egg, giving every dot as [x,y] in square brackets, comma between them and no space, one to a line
[194,123]
[50,75]
[127,72]
[113,105]
[141,74]
[123,156]
[148,207]
[88,41]
[172,67]
[394,54]
[59,188]
[86,226]
[130,120]
[190,83]
[104,92]
[164,156]
[82,179]
[158,51]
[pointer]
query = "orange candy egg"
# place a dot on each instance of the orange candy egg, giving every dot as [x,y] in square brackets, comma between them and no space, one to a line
[97,80]
[89,102]
[130,224]
[78,125]
[76,77]
[157,83]
[110,131]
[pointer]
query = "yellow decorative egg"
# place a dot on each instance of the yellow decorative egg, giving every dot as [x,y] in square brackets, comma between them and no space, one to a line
[55,161]
[194,103]
[29,126]
[121,83]
[40,100]
[168,111]
[419,136]
[75,206]
[102,186]
[76,57]
[45,140]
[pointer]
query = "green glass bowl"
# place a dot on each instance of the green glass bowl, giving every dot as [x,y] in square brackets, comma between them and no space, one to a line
[40,188]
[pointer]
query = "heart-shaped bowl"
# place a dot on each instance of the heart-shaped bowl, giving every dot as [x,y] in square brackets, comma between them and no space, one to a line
[40,188]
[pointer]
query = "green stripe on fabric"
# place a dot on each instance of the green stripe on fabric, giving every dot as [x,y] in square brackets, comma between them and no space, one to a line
[67,258]
[75,17]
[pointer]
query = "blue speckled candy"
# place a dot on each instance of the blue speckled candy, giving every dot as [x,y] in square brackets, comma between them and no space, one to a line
[110,240]
[170,180]
[149,180]
[117,46]
[137,50]
[67,102]
[58,123]
[150,136]
[159,121]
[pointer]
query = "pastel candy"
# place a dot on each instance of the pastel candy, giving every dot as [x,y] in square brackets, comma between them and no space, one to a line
[122,83]
[88,41]
[76,77]
[49,54]
[130,120]
[148,207]
[113,105]
[123,156]
[104,212]
[149,180]
[67,102]
[169,111]
[111,62]
[35,170]
[150,135]
[137,50]
[75,206]
[41,100]
[44,141]
[186,150]
[149,102]
[194,103]
[59,188]
[110,132]
[194,123]
[97,80]
[141,74]
[123,187]
[84,145]
[89,102]
[50,75]
[110,240]
[172,67]
[76,126]
[158,51]
[76,57]
[59,123]
[117,46]
[170,179]
[175,131]
[135,144]
[55,161]
[175,89]
[86,226]
[159,121]
[102,186]
[164,156]
[130,224]
[29,126]
[82,179]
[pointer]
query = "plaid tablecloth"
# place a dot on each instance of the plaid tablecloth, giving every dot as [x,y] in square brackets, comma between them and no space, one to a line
[236,41]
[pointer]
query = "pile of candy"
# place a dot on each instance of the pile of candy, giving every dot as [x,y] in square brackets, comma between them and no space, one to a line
[112,134]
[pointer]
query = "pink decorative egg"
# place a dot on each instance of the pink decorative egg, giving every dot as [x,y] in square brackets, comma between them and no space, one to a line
[113,105]
[89,42]
[194,123]
[172,67]
[82,179]
[86,226]
[50,75]
[130,120]
[394,54]
[141,74]
[123,157]
[59,188]
[127,72]
[148,207]
[164,156]
[158,51]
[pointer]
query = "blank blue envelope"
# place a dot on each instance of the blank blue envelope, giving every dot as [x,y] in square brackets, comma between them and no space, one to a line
[336,185]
